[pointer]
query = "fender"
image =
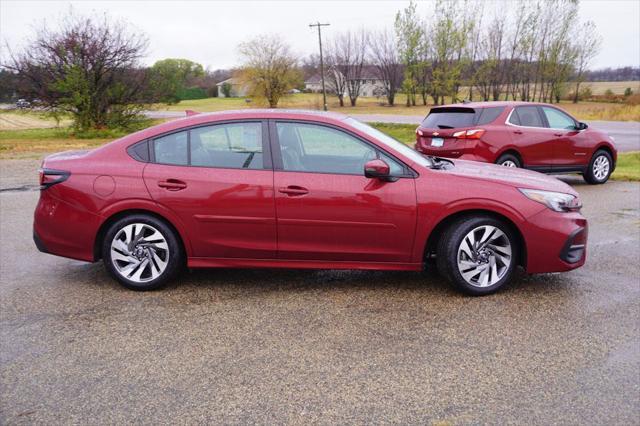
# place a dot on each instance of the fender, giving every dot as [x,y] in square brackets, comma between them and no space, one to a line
[152,206]
[426,226]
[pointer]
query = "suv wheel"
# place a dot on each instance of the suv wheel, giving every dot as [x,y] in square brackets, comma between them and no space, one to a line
[142,252]
[478,254]
[508,160]
[599,168]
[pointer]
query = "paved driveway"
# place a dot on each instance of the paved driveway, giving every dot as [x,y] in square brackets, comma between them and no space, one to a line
[275,346]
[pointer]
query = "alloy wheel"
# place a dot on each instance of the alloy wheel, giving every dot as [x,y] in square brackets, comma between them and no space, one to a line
[139,252]
[508,163]
[484,256]
[601,167]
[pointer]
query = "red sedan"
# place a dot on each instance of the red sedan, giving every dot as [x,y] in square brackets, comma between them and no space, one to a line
[299,190]
[534,136]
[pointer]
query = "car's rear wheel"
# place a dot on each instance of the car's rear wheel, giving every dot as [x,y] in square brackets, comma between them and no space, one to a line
[508,160]
[478,254]
[142,252]
[599,168]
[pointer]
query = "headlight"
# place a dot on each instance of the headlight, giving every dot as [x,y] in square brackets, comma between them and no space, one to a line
[557,201]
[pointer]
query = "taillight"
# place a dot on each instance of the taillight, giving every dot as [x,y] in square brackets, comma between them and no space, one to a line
[50,177]
[469,134]
[419,132]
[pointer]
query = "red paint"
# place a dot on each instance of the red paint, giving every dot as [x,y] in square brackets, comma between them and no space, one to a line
[274,218]
[541,148]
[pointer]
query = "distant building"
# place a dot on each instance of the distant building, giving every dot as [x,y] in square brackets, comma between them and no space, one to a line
[238,89]
[371,85]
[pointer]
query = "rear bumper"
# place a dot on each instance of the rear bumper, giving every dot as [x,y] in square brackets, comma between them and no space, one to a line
[64,229]
[556,242]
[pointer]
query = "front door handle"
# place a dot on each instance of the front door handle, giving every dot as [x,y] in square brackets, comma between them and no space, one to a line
[293,190]
[172,184]
[517,132]
[558,134]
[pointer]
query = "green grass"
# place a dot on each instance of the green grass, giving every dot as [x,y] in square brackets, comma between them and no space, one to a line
[628,167]
[405,133]
[34,143]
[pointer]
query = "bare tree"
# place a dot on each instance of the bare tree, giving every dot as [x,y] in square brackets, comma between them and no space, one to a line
[587,46]
[347,55]
[269,68]
[410,38]
[89,68]
[384,56]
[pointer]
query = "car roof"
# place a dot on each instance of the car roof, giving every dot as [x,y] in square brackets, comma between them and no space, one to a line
[487,104]
[243,114]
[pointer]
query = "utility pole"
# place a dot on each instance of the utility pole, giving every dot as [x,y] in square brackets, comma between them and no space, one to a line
[324,93]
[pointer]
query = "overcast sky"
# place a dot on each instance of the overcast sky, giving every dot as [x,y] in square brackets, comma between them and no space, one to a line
[208,31]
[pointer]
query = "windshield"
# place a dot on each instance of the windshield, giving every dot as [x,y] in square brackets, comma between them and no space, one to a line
[390,142]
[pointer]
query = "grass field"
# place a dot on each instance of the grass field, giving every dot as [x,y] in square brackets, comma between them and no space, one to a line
[583,111]
[35,143]
[14,120]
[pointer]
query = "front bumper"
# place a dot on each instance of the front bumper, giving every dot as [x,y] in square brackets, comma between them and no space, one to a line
[555,242]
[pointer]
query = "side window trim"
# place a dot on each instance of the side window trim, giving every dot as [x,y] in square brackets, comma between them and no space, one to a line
[267,158]
[277,153]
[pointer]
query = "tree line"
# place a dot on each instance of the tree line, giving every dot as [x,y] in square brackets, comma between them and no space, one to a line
[523,50]
[91,68]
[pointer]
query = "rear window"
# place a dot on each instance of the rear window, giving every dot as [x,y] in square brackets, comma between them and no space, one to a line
[449,118]
[452,118]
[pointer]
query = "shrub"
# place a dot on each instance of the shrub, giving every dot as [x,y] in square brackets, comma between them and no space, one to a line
[628,92]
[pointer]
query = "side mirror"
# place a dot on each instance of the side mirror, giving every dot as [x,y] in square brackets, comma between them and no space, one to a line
[378,169]
[581,126]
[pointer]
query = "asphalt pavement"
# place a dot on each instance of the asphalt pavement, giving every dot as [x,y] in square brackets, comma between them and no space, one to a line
[278,346]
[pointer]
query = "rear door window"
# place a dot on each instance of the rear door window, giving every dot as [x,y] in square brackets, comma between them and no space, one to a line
[528,116]
[232,146]
[171,149]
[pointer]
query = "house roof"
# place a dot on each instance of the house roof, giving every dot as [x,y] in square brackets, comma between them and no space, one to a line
[230,81]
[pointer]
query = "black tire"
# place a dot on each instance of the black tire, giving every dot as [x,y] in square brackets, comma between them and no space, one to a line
[449,245]
[174,252]
[509,159]
[591,176]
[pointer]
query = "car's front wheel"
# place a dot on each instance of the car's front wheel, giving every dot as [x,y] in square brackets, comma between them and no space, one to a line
[599,169]
[478,254]
[142,252]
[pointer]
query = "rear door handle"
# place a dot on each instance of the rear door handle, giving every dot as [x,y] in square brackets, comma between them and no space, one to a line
[517,132]
[172,184]
[558,134]
[293,190]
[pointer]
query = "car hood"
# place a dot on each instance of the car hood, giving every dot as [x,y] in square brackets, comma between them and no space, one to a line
[519,178]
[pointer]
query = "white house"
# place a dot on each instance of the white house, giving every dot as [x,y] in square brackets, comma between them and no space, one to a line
[371,85]
[238,89]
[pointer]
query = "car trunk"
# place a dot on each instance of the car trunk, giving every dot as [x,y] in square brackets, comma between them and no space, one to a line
[439,127]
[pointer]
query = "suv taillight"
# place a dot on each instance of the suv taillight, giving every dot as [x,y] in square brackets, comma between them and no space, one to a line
[469,134]
[50,177]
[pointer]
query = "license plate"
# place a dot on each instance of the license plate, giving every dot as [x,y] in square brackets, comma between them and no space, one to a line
[437,141]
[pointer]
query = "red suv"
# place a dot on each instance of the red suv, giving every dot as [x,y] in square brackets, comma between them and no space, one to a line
[299,190]
[534,136]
